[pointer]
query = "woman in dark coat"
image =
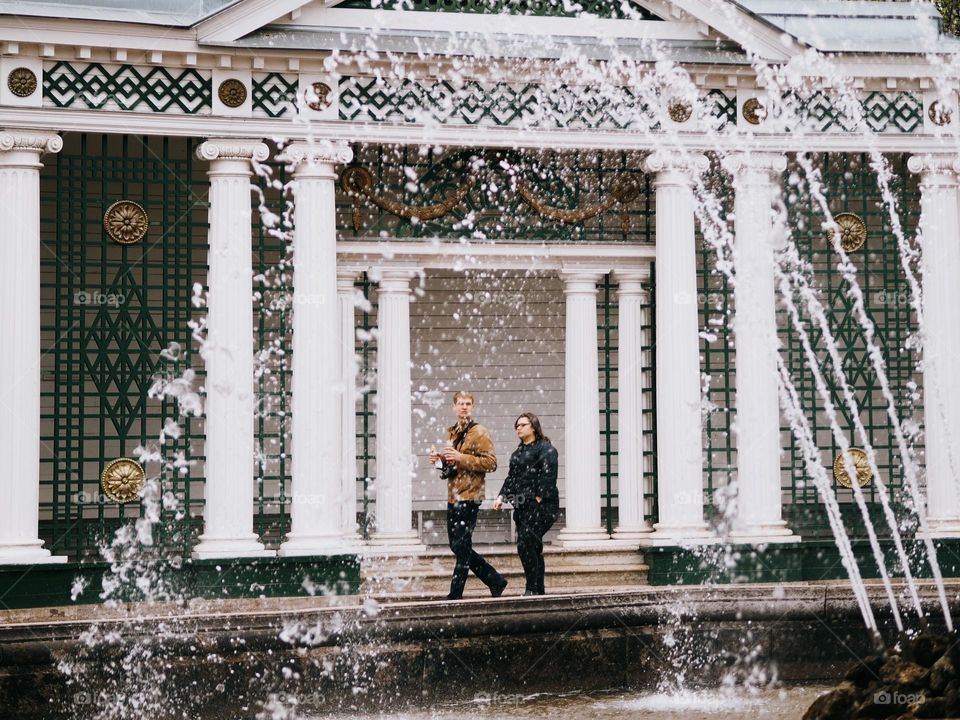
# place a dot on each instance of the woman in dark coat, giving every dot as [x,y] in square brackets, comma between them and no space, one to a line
[531,487]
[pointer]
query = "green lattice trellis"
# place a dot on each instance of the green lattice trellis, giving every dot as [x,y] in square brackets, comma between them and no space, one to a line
[366,349]
[273,301]
[608,328]
[608,332]
[274,94]
[384,99]
[882,112]
[850,186]
[493,209]
[723,107]
[715,308]
[127,87]
[613,9]
[107,312]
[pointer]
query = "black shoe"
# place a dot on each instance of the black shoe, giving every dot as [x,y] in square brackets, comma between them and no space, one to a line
[530,592]
[453,597]
[496,589]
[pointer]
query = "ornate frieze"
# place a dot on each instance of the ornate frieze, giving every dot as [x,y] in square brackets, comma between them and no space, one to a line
[127,87]
[101,86]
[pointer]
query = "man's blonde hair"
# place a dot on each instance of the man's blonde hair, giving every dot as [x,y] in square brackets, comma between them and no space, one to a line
[463,394]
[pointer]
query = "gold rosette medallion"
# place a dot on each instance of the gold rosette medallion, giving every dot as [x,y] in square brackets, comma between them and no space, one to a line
[126,222]
[860,464]
[122,479]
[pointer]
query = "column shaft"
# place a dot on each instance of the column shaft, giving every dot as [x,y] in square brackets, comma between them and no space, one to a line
[394,500]
[582,412]
[20,165]
[679,432]
[631,523]
[317,389]
[940,265]
[757,428]
[228,355]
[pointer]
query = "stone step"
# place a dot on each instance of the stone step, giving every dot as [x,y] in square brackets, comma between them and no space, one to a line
[429,573]
[477,592]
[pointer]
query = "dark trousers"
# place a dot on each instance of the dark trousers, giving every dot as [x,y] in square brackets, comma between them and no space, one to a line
[533,520]
[461,520]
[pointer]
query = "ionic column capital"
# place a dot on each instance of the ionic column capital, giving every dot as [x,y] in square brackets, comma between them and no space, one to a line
[15,140]
[944,165]
[317,158]
[747,165]
[676,167]
[233,149]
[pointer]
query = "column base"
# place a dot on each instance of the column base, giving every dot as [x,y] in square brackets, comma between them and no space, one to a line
[405,543]
[32,553]
[680,535]
[584,539]
[315,545]
[941,528]
[630,536]
[764,534]
[215,548]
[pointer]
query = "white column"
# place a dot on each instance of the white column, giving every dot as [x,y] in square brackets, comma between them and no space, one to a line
[228,354]
[346,294]
[316,498]
[679,432]
[940,266]
[756,182]
[582,412]
[20,349]
[631,295]
[393,486]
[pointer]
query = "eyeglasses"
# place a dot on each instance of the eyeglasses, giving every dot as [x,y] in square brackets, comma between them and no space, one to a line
[520,425]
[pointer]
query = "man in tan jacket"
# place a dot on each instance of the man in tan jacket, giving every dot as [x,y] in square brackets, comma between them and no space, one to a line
[463,464]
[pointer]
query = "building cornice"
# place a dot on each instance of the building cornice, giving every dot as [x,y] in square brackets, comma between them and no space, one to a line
[175,125]
[501,255]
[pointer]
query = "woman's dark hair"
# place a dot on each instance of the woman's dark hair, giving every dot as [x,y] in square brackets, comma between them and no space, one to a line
[534,423]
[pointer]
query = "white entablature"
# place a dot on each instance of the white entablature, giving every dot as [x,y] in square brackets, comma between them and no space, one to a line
[288,61]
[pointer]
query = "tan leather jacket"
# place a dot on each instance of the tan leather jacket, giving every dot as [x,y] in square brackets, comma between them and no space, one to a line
[479,459]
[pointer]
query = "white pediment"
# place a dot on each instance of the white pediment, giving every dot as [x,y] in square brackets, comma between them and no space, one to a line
[674,20]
